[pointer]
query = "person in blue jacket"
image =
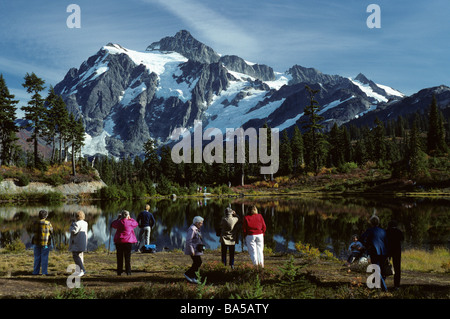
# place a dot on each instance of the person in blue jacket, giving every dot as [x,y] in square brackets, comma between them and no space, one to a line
[375,241]
[356,249]
[146,221]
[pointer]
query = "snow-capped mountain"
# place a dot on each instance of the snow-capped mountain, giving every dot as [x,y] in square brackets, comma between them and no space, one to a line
[126,97]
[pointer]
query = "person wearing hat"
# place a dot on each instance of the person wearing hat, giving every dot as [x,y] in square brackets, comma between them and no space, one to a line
[194,247]
[42,230]
[124,240]
[228,235]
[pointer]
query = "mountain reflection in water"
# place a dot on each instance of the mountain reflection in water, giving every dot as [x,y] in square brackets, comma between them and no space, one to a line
[325,223]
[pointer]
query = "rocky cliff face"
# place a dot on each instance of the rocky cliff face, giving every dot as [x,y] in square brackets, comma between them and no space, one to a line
[126,97]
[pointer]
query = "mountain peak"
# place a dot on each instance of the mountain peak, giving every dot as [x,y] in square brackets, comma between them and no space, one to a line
[362,78]
[184,43]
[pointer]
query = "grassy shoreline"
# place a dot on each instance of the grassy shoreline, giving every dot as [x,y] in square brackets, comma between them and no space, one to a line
[160,276]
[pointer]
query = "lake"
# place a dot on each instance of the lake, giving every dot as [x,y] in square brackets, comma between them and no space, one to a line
[326,223]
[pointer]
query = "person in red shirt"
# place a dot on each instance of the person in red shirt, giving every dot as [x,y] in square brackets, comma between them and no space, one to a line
[254,228]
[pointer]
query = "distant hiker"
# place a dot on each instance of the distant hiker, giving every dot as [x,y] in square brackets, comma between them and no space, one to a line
[78,241]
[394,241]
[194,248]
[124,240]
[254,228]
[42,230]
[228,235]
[146,221]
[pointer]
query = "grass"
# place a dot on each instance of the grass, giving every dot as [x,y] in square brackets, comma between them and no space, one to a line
[160,276]
[437,260]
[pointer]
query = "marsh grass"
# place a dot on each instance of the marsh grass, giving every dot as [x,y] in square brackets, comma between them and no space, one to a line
[436,260]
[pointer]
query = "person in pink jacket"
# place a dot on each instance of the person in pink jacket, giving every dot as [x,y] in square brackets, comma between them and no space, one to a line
[124,240]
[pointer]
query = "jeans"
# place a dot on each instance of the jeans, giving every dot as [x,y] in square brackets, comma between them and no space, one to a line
[78,258]
[224,253]
[144,236]
[41,259]
[123,252]
[255,246]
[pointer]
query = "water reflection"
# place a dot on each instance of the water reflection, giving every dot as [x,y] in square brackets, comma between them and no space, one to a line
[323,223]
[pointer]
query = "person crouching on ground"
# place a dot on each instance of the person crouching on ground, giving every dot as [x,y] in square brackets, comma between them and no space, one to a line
[124,240]
[356,250]
[194,248]
[78,241]
[254,228]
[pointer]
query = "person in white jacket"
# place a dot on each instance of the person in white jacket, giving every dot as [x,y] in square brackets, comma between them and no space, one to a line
[78,241]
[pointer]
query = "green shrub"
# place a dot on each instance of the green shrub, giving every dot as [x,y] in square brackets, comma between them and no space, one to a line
[347,167]
[22,180]
[16,246]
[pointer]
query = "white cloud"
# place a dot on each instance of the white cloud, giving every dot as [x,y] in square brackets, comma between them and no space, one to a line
[19,68]
[220,32]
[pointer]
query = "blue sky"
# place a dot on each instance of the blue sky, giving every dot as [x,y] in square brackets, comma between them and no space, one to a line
[409,52]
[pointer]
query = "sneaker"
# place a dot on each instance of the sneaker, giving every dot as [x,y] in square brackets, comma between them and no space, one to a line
[188,278]
[80,274]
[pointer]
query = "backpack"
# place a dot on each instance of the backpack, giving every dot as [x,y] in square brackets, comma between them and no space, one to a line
[148,249]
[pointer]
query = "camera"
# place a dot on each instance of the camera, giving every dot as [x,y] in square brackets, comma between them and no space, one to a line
[201,248]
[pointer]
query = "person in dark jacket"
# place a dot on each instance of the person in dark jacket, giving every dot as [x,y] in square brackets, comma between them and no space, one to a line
[146,221]
[375,241]
[394,240]
[229,235]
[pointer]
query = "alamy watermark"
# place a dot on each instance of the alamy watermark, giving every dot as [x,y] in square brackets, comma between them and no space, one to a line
[374,19]
[258,144]
[74,19]
[73,281]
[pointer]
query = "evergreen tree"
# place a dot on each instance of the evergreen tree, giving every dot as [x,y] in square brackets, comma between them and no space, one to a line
[360,154]
[286,162]
[314,141]
[62,124]
[76,138]
[346,144]
[8,127]
[151,161]
[167,165]
[436,132]
[378,141]
[50,121]
[336,141]
[297,149]
[415,157]
[35,111]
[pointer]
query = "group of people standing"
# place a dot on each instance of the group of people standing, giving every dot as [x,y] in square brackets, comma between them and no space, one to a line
[253,229]
[380,245]
[123,239]
[42,233]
